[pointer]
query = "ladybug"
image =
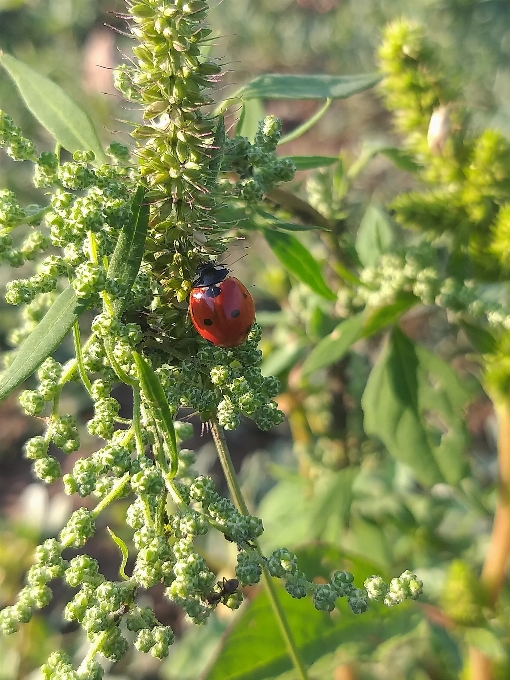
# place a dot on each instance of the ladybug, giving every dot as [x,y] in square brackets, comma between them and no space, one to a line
[220,306]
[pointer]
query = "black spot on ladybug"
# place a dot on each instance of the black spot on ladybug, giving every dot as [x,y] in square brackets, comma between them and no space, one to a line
[244,296]
[235,313]
[213,291]
[208,322]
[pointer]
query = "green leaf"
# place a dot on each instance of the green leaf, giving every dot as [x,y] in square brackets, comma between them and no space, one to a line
[486,640]
[254,648]
[307,125]
[127,256]
[155,396]
[335,345]
[375,236]
[481,339]
[311,162]
[298,261]
[400,158]
[283,359]
[42,341]
[389,314]
[124,552]
[414,403]
[367,539]
[252,113]
[317,513]
[271,221]
[70,126]
[284,86]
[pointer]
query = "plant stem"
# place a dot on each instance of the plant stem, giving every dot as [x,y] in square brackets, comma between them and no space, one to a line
[239,502]
[494,567]
[79,358]
[115,493]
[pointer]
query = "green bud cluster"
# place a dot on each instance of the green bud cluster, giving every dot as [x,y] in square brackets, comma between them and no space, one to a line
[418,271]
[19,148]
[36,594]
[257,166]
[227,381]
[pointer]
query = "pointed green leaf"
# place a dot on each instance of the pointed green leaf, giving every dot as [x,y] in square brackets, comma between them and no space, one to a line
[414,403]
[307,125]
[70,126]
[252,113]
[387,315]
[481,339]
[42,342]
[276,223]
[298,261]
[335,345]
[375,235]
[283,359]
[156,398]
[284,86]
[127,256]
[400,158]
[311,162]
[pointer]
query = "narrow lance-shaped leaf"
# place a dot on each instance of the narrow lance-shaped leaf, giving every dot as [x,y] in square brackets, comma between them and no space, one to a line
[127,256]
[298,261]
[284,86]
[70,126]
[156,398]
[335,345]
[42,342]
[311,162]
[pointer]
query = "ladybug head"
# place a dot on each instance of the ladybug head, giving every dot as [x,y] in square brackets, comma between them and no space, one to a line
[209,274]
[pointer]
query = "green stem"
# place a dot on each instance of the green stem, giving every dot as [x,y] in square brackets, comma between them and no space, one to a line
[94,649]
[72,365]
[140,447]
[120,372]
[117,491]
[79,358]
[239,502]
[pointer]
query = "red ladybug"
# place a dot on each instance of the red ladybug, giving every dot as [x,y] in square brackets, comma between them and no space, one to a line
[220,306]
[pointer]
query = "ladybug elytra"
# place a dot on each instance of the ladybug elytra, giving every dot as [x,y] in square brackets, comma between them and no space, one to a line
[220,306]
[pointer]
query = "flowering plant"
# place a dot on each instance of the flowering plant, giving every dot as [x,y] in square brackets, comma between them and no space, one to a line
[120,239]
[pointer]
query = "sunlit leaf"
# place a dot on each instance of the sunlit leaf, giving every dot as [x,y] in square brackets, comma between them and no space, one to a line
[70,126]
[335,345]
[127,256]
[414,403]
[156,398]
[298,261]
[311,162]
[375,235]
[251,114]
[285,86]
[42,342]
[385,316]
